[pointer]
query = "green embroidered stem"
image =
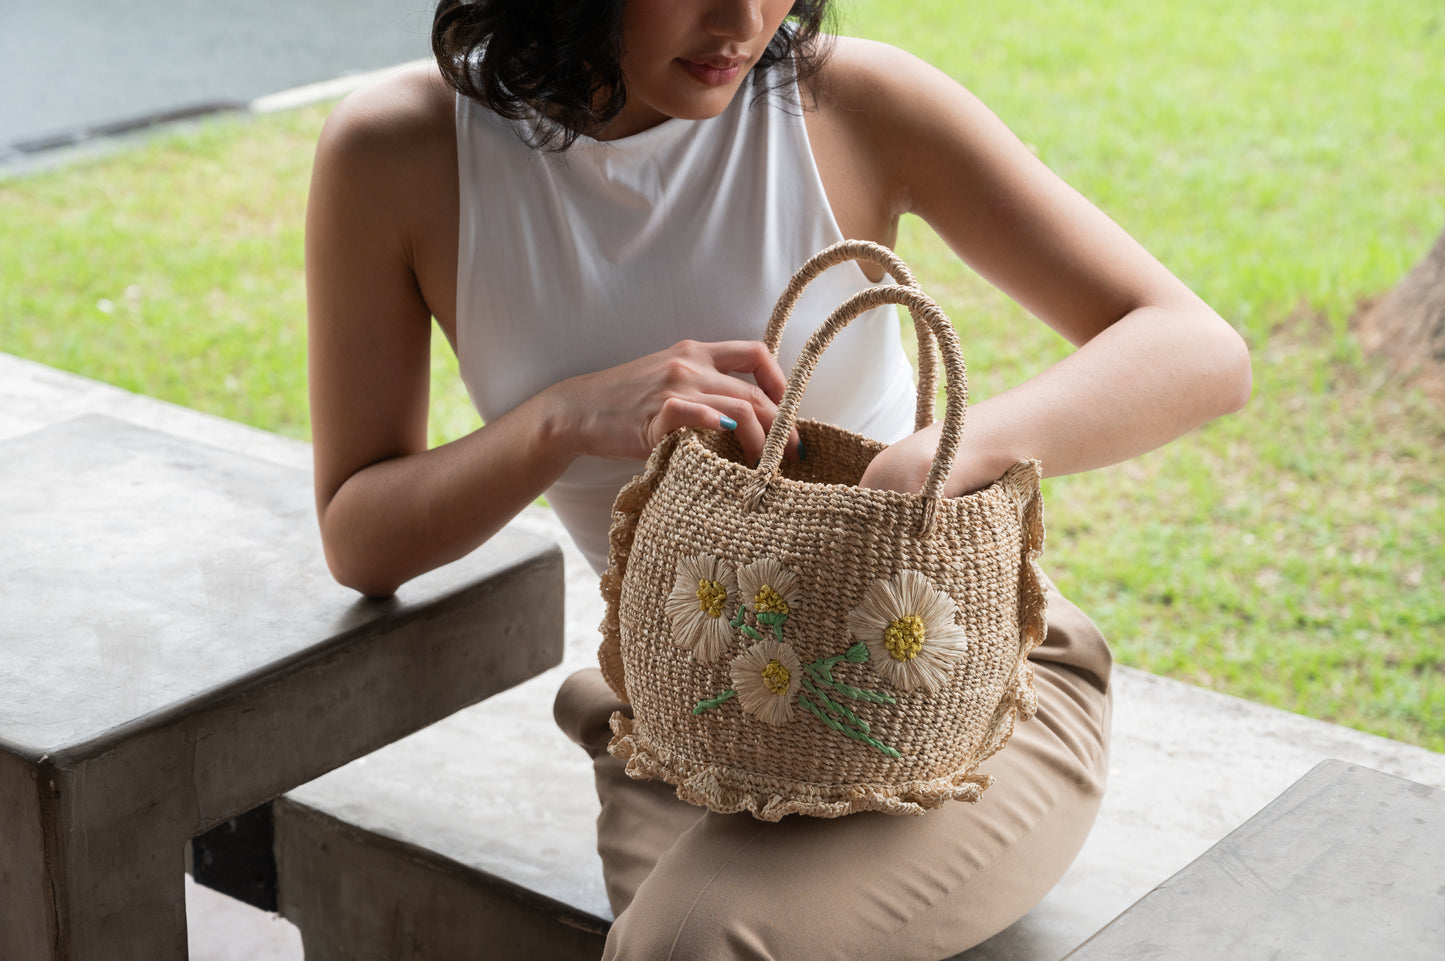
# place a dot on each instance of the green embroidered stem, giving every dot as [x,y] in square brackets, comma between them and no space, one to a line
[712,702]
[844,729]
[821,670]
[837,708]
[858,694]
[832,713]
[825,677]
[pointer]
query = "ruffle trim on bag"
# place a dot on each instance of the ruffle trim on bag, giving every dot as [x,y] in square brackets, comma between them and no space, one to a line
[626,509]
[1023,480]
[720,789]
[1022,702]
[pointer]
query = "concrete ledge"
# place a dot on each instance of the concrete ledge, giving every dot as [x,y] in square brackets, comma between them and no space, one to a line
[1345,864]
[33,396]
[176,654]
[359,897]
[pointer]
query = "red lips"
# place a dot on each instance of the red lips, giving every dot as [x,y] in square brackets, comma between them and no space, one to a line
[715,71]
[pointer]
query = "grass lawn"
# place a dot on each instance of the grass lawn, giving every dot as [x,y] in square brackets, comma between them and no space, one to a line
[1286,159]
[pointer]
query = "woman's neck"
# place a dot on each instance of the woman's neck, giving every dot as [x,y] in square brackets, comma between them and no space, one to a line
[634,119]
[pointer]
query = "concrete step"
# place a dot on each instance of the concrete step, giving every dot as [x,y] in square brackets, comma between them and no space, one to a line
[1348,863]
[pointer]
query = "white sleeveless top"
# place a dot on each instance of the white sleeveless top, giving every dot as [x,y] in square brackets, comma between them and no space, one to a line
[577,261]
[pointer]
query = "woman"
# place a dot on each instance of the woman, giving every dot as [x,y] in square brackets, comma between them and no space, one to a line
[602,295]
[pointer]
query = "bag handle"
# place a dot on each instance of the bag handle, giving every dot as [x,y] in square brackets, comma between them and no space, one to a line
[840,253]
[956,405]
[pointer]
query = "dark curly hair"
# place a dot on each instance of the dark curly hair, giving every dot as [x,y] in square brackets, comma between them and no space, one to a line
[560,59]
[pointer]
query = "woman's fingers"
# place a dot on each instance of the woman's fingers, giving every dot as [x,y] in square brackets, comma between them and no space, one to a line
[750,357]
[677,412]
[751,426]
[720,412]
[714,413]
[737,398]
[626,410]
[729,357]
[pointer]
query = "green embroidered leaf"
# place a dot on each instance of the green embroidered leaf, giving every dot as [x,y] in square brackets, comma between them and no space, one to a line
[710,703]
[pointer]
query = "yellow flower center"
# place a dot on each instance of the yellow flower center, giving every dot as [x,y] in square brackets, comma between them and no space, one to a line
[776,677]
[769,601]
[904,637]
[710,597]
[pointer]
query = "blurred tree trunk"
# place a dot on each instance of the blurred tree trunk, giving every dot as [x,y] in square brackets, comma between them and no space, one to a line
[1407,325]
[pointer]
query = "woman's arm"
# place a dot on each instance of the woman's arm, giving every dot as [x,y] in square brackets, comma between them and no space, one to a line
[388,508]
[1154,361]
[380,243]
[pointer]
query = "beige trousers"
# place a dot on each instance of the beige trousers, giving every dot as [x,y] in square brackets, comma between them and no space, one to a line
[690,885]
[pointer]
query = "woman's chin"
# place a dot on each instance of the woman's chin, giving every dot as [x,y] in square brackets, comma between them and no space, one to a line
[640,117]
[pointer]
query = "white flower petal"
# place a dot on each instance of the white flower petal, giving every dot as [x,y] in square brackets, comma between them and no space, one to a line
[693,627]
[909,594]
[714,639]
[754,694]
[874,613]
[767,572]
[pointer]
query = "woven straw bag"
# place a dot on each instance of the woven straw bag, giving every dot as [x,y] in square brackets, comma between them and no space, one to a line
[791,642]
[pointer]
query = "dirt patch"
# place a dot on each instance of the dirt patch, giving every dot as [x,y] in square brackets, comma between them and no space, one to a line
[1407,326]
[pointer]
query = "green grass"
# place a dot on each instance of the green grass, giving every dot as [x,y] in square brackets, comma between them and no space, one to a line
[1286,159]
[175,270]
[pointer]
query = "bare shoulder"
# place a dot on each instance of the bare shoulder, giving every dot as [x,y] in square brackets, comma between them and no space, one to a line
[871,83]
[859,72]
[397,133]
[384,186]
[399,110]
[896,114]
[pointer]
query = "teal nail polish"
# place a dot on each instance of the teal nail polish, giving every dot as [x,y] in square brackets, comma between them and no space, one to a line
[727,423]
[802,453]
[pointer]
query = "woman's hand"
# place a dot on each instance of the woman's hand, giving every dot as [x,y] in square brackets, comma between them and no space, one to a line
[978,463]
[622,412]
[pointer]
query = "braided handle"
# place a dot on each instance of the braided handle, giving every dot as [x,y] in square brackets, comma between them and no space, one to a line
[956,406]
[840,253]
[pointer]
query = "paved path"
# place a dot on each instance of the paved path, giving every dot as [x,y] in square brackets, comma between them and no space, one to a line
[67,69]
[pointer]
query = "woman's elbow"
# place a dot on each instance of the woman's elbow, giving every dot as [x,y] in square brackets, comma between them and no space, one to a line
[369,584]
[353,568]
[1236,373]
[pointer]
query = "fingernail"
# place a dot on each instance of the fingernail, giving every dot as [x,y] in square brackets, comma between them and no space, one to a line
[802,453]
[727,423]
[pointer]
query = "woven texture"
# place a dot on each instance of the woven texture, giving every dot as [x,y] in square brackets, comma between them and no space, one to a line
[792,643]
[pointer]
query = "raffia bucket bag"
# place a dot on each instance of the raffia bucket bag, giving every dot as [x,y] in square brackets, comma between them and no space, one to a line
[792,643]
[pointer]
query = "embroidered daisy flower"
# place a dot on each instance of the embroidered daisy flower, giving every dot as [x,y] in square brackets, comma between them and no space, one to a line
[703,598]
[909,628]
[768,587]
[767,677]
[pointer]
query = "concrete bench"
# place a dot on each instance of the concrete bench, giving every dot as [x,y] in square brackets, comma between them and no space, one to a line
[475,837]
[1348,863]
[175,654]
